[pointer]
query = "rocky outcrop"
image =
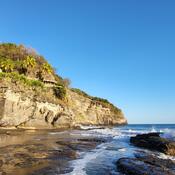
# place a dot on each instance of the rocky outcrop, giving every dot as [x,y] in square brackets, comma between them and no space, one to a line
[147,163]
[153,141]
[24,110]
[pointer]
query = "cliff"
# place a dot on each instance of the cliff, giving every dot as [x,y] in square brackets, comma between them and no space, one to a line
[42,100]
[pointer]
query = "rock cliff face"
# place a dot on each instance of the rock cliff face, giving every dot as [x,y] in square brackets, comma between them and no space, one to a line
[19,110]
[32,95]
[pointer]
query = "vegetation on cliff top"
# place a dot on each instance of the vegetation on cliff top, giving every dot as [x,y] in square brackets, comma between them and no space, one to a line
[24,65]
[23,60]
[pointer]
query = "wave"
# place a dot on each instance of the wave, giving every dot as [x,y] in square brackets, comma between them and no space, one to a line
[118,132]
[90,127]
[79,165]
[169,134]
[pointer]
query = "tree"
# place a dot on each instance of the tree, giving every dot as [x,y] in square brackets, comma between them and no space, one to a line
[29,62]
[47,68]
[7,65]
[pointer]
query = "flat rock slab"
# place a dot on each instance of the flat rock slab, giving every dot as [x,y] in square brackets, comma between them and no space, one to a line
[134,166]
[153,141]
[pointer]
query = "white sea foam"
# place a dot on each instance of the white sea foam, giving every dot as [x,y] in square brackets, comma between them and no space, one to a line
[57,133]
[79,165]
[122,150]
[89,127]
[153,129]
[163,156]
[169,134]
[107,132]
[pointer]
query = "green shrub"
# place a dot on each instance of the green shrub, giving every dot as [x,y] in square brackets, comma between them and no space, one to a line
[80,92]
[47,68]
[7,65]
[22,79]
[22,59]
[60,91]
[29,61]
[106,103]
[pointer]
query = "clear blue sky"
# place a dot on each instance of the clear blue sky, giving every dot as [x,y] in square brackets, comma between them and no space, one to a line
[122,50]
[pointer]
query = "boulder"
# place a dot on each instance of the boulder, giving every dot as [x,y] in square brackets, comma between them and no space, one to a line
[156,161]
[134,166]
[153,141]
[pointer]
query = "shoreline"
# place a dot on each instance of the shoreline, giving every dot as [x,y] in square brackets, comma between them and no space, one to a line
[79,127]
[53,151]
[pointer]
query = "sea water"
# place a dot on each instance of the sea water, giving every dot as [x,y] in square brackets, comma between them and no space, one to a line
[102,159]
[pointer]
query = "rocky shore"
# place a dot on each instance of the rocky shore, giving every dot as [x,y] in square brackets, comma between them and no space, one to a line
[41,152]
[33,152]
[147,163]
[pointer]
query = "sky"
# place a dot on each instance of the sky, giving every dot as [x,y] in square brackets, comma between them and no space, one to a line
[121,50]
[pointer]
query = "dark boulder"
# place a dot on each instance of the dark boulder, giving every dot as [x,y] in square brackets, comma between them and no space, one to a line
[156,161]
[134,166]
[153,141]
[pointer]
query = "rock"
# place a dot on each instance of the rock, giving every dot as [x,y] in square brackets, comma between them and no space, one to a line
[97,140]
[23,157]
[3,173]
[153,141]
[25,109]
[80,144]
[156,161]
[1,163]
[133,166]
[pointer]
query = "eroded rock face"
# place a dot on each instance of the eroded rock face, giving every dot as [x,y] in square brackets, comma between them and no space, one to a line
[153,141]
[88,112]
[21,111]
